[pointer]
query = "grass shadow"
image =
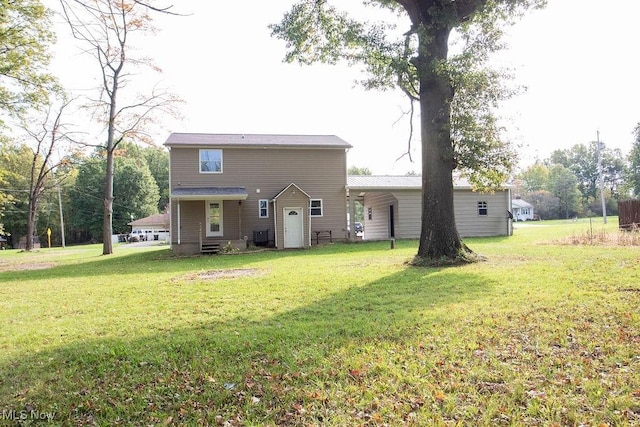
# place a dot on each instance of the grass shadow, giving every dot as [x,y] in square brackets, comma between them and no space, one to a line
[242,370]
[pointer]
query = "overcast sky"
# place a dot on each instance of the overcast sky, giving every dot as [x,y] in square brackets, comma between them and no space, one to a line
[577,58]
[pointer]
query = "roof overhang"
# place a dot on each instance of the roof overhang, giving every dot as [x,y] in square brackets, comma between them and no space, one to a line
[294,186]
[204,140]
[209,193]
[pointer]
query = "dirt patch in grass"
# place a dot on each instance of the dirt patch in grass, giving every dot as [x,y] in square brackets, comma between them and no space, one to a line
[27,266]
[223,274]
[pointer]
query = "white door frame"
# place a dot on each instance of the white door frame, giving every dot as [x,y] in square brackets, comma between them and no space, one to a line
[293,237]
[208,231]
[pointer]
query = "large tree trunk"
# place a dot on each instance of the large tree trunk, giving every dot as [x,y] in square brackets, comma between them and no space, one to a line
[439,238]
[107,224]
[31,222]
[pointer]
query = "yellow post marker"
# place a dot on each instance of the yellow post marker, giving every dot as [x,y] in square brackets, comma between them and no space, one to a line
[49,237]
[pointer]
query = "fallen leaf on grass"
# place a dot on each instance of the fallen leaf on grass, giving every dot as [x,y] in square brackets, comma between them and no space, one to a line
[357,374]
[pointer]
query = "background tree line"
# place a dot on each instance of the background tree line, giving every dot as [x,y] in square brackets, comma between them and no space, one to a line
[141,188]
[44,160]
[567,183]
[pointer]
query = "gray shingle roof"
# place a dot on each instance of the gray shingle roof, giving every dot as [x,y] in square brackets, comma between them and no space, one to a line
[519,203]
[155,219]
[252,140]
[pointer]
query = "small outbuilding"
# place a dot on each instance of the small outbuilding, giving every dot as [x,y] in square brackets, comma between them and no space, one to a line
[154,227]
[629,214]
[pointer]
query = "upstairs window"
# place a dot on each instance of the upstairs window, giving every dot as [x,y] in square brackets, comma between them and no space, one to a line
[315,207]
[482,208]
[210,161]
[263,208]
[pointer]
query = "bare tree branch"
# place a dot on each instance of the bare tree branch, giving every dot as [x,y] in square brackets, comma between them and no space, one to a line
[106,26]
[166,9]
[46,139]
[411,113]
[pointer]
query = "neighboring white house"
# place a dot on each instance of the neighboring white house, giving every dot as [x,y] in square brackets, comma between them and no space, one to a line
[154,227]
[393,207]
[522,211]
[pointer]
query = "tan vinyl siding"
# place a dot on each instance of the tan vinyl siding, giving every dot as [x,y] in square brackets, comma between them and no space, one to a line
[409,216]
[320,172]
[377,228]
[470,224]
[409,212]
[189,223]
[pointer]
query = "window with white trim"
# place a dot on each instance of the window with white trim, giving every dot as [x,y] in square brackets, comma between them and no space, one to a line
[315,207]
[482,209]
[210,161]
[263,208]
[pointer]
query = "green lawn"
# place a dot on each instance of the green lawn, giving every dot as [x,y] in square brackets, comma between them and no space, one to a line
[542,333]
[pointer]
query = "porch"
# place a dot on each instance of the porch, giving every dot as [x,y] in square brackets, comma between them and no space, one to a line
[207,220]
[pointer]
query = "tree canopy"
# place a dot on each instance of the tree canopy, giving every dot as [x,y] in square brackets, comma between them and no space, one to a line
[457,94]
[25,36]
[632,172]
[572,177]
[135,195]
[15,162]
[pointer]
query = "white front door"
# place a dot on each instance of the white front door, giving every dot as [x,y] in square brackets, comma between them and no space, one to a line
[293,228]
[214,218]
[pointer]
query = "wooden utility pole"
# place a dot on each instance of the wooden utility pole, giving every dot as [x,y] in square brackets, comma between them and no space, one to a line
[600,147]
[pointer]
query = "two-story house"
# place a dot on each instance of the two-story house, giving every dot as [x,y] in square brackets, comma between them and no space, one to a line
[283,190]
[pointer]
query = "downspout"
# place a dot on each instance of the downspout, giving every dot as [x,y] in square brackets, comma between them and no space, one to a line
[240,220]
[509,220]
[275,223]
[309,221]
[179,223]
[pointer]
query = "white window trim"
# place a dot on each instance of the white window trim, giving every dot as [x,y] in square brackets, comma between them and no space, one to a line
[266,201]
[200,160]
[208,232]
[321,207]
